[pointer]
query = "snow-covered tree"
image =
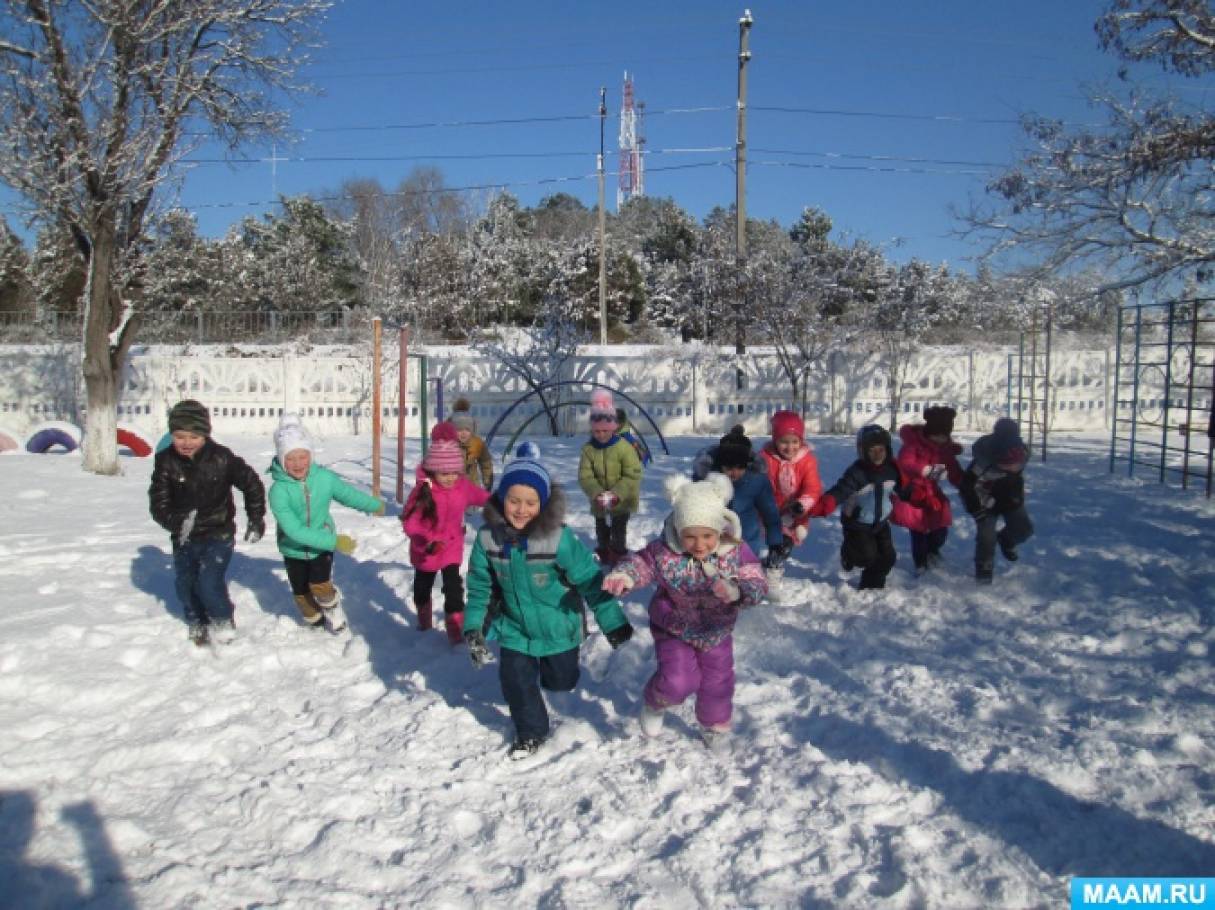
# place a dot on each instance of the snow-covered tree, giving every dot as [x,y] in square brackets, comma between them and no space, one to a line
[57,275]
[101,99]
[16,297]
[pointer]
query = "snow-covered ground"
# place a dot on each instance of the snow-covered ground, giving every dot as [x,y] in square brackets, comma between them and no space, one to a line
[934,744]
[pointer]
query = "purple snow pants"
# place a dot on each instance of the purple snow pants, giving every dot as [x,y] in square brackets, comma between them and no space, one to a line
[682,670]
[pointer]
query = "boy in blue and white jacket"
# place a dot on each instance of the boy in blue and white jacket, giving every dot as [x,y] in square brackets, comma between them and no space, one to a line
[867,495]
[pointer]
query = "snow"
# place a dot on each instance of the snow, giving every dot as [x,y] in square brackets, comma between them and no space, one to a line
[935,744]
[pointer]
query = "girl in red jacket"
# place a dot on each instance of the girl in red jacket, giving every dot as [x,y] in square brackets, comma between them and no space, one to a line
[928,455]
[793,472]
[433,518]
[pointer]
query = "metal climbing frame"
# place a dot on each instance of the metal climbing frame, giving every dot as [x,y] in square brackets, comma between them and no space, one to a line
[1029,380]
[1164,383]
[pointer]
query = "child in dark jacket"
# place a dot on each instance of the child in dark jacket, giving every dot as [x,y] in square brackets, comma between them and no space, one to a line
[704,575]
[191,498]
[433,517]
[867,495]
[928,456]
[993,487]
[307,536]
[536,572]
[753,501]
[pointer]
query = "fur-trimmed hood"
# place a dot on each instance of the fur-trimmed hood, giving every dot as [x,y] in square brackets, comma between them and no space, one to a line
[550,519]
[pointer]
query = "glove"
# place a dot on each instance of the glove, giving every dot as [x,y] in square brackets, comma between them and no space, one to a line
[980,513]
[382,509]
[256,531]
[478,652]
[617,583]
[825,506]
[607,500]
[777,555]
[726,590]
[617,637]
[797,508]
[433,547]
[345,544]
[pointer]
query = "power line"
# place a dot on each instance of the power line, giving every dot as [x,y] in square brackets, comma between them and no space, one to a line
[480,156]
[887,115]
[860,157]
[868,167]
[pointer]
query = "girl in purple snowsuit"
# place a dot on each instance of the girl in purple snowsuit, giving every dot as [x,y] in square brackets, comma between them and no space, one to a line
[705,575]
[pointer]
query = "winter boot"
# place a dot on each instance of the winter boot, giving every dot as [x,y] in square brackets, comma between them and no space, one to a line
[525,746]
[424,615]
[199,634]
[983,576]
[329,599]
[223,631]
[651,720]
[1008,550]
[310,611]
[454,624]
[718,740]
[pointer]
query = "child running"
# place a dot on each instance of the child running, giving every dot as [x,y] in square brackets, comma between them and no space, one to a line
[705,575]
[191,498]
[535,571]
[793,473]
[609,472]
[307,537]
[433,517]
[927,455]
[993,487]
[866,494]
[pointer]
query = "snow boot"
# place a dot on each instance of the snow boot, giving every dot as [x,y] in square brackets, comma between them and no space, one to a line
[454,624]
[1009,551]
[524,746]
[224,631]
[651,720]
[717,740]
[983,576]
[328,597]
[425,620]
[309,610]
[199,634]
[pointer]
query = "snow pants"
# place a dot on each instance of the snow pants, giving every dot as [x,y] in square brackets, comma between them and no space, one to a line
[612,533]
[924,543]
[683,670]
[200,568]
[522,676]
[1017,529]
[872,551]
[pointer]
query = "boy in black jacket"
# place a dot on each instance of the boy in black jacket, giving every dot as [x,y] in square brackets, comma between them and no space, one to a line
[191,498]
[864,494]
[993,486]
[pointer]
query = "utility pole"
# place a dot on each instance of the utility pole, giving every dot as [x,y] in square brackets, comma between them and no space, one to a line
[740,184]
[602,225]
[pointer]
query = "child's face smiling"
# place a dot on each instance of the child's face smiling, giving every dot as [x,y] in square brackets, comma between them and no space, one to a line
[187,444]
[602,432]
[521,505]
[297,462]
[699,542]
[788,446]
[446,479]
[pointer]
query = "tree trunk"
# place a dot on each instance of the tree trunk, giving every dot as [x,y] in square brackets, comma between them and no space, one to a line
[100,367]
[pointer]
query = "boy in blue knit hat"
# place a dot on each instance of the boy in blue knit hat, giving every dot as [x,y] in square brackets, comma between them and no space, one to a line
[537,572]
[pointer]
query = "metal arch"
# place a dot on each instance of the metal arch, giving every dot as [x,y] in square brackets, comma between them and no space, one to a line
[579,382]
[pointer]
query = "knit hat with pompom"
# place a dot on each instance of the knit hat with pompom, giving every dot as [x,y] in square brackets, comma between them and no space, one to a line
[461,416]
[290,436]
[444,455]
[526,470]
[702,504]
[603,408]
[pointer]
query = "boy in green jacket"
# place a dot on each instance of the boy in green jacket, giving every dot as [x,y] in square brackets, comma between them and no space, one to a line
[609,472]
[299,499]
[536,572]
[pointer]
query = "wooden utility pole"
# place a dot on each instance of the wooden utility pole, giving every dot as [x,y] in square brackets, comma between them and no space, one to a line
[602,225]
[377,328]
[740,181]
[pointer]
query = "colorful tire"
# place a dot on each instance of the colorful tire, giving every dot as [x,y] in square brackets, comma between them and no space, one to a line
[139,446]
[8,442]
[42,441]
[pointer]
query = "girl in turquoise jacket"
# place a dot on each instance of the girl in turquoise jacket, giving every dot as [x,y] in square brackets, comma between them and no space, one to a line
[530,573]
[299,499]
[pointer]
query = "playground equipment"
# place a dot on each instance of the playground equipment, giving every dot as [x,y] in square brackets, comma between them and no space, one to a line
[555,407]
[1164,381]
[46,436]
[138,446]
[402,404]
[8,441]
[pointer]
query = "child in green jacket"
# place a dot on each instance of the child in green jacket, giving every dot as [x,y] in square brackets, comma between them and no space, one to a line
[299,499]
[609,472]
[535,571]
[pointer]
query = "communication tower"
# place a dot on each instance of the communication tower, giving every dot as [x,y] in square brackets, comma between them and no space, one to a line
[632,167]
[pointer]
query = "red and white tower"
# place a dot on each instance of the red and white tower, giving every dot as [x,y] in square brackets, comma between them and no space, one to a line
[632,167]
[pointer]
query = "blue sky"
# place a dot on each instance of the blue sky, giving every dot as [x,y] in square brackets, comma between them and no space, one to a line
[894,110]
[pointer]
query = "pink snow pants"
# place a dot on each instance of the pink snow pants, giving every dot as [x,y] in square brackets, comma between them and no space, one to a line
[682,670]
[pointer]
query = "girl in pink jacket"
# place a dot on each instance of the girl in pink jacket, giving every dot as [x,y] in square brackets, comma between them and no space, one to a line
[433,518]
[929,455]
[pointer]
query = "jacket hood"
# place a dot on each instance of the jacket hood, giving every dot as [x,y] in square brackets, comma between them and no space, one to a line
[551,517]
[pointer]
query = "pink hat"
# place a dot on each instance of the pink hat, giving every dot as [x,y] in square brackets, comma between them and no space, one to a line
[787,423]
[445,455]
[603,408]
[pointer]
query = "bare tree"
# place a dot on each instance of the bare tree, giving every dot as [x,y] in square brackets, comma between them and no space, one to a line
[1133,198]
[101,100]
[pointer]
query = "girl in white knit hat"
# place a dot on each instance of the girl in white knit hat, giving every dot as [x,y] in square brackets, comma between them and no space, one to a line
[705,574]
[307,536]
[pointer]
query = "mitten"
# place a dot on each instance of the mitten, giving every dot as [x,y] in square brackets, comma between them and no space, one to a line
[777,555]
[478,652]
[345,544]
[607,500]
[617,637]
[726,590]
[256,530]
[380,511]
[187,528]
[433,547]
[797,508]
[825,506]
[617,583]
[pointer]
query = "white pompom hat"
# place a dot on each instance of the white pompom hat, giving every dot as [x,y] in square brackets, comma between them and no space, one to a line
[290,436]
[702,504]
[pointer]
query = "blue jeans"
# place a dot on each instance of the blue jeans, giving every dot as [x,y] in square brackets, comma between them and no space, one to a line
[522,675]
[201,566]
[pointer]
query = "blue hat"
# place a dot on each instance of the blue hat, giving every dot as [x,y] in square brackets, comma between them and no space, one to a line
[527,470]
